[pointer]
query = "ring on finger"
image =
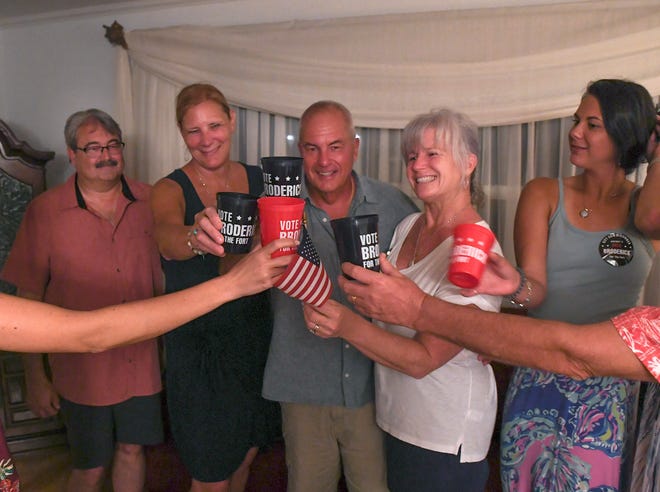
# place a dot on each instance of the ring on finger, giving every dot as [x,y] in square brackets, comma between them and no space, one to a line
[193,233]
[315,328]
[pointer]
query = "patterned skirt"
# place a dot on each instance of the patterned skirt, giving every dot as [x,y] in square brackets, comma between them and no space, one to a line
[560,434]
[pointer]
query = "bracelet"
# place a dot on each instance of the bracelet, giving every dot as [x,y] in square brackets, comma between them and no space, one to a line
[523,278]
[198,252]
[524,282]
[528,298]
[653,161]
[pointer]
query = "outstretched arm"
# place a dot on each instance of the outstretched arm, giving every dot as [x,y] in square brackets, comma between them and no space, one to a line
[577,351]
[175,240]
[31,326]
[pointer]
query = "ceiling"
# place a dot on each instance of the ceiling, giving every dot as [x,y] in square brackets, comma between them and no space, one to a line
[21,8]
[20,11]
[25,11]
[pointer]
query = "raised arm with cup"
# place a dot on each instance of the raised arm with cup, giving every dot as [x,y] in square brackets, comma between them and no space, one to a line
[578,351]
[30,326]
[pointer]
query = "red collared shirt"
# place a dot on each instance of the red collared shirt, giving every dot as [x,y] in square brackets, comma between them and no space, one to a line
[73,258]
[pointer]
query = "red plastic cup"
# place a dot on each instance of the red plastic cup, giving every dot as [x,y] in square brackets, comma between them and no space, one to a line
[472,243]
[280,217]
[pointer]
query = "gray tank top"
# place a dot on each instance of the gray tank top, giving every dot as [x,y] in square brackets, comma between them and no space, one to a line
[592,276]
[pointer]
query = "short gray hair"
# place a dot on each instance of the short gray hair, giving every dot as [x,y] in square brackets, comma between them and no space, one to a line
[455,131]
[323,106]
[76,120]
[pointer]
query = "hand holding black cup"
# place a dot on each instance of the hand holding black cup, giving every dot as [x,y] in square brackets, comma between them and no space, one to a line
[238,212]
[357,240]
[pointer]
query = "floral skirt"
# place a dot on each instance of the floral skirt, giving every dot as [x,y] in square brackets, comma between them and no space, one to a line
[560,434]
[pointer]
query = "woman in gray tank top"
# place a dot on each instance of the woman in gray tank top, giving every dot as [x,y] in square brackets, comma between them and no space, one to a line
[584,260]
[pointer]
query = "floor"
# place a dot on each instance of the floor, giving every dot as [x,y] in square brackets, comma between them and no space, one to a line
[46,470]
[43,470]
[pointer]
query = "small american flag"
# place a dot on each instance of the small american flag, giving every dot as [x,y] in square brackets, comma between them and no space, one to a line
[305,278]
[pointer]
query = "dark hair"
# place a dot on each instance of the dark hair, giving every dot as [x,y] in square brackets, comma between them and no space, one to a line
[628,116]
[195,94]
[78,119]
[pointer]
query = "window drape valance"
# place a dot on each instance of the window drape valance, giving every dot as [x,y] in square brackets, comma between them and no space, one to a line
[500,66]
[511,70]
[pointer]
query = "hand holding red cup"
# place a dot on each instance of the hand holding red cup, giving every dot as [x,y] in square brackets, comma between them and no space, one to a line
[472,244]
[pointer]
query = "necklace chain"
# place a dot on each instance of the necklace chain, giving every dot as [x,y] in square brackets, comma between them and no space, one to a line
[449,222]
[585,211]
[414,255]
[203,183]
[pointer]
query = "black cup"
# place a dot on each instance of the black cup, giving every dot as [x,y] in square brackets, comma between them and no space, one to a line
[238,212]
[282,176]
[357,240]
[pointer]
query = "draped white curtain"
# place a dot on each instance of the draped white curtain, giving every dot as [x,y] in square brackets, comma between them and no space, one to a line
[518,72]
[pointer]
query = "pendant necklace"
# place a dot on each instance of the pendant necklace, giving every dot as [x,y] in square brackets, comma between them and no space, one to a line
[585,212]
[203,183]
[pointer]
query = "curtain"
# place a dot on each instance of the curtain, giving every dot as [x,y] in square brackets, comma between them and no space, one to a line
[518,72]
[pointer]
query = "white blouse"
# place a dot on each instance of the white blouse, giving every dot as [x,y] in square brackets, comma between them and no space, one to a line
[454,406]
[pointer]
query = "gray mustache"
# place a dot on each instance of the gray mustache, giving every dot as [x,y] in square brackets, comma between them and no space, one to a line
[106,163]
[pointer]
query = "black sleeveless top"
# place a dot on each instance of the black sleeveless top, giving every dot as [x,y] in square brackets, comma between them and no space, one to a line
[186,273]
[215,363]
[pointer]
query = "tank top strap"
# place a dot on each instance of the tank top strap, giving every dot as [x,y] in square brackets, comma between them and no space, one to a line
[559,210]
[190,197]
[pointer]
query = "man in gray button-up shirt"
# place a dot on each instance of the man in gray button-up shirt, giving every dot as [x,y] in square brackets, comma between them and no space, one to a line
[325,386]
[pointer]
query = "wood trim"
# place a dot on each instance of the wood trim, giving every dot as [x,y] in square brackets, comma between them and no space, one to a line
[19,160]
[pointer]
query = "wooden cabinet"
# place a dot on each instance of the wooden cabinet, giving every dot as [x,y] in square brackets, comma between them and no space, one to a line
[22,176]
[23,429]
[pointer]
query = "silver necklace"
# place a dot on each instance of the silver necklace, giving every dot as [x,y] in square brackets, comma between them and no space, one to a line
[585,212]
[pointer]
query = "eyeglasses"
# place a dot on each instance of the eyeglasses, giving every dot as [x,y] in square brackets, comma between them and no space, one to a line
[95,150]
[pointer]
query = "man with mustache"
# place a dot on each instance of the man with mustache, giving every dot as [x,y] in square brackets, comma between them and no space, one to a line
[84,245]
